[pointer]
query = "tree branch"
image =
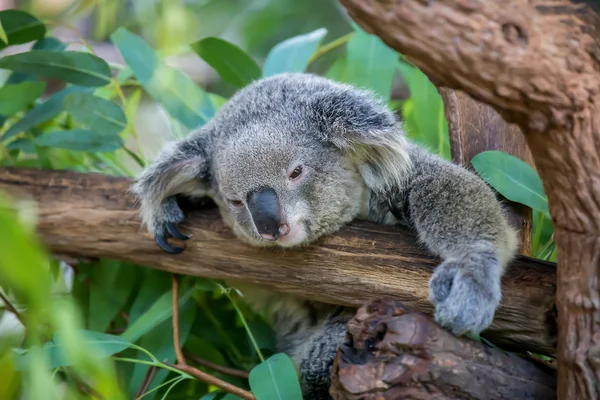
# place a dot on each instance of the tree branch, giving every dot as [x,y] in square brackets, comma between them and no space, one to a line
[92,215]
[392,352]
[9,306]
[182,364]
[175,305]
[219,368]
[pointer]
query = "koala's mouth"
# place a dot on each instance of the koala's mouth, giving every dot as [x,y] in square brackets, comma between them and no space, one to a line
[296,235]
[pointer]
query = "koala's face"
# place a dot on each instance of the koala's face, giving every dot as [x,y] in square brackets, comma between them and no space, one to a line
[284,189]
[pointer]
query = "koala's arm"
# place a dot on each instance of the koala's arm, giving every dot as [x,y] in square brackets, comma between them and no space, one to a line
[180,168]
[458,217]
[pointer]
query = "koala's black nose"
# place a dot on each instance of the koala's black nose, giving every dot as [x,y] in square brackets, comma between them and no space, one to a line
[266,212]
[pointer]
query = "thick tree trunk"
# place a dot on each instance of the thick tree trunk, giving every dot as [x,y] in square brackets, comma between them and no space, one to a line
[537,62]
[391,352]
[91,215]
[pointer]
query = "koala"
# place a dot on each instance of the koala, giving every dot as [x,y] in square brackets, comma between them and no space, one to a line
[293,157]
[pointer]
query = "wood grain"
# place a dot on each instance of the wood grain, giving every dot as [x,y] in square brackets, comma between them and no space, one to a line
[92,215]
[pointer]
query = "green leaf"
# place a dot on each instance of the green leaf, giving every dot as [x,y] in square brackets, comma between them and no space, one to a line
[177,93]
[42,112]
[512,178]
[24,145]
[96,113]
[111,284]
[220,396]
[217,100]
[47,43]
[293,54]
[20,27]
[205,350]
[70,66]
[339,70]
[159,342]
[15,98]
[160,310]
[79,140]
[371,63]
[275,378]
[3,35]
[233,64]
[154,284]
[426,121]
[106,345]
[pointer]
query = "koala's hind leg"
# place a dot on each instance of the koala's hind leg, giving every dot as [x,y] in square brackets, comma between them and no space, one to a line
[321,348]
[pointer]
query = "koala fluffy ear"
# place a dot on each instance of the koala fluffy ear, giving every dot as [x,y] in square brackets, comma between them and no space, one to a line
[180,168]
[359,123]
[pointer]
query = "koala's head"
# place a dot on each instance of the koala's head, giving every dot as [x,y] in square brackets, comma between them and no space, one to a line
[294,156]
[285,188]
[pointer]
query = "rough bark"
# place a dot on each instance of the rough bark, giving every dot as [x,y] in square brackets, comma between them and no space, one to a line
[392,352]
[91,215]
[474,127]
[536,62]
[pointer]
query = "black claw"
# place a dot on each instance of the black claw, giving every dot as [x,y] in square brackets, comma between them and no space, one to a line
[161,240]
[172,229]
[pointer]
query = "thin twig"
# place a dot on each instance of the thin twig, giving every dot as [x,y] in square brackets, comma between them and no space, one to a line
[124,315]
[148,378]
[176,344]
[12,308]
[219,368]
[330,46]
[181,363]
[211,380]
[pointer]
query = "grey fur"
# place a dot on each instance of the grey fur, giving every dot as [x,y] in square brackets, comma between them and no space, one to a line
[357,165]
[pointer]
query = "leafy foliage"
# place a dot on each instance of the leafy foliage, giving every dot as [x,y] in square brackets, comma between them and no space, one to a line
[231,62]
[110,331]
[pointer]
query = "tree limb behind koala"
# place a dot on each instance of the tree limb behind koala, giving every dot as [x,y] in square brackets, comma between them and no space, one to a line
[93,215]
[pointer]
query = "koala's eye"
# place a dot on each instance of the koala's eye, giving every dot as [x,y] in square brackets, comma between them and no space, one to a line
[296,172]
[236,203]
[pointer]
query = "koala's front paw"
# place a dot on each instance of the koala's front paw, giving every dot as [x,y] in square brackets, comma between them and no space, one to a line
[164,224]
[465,296]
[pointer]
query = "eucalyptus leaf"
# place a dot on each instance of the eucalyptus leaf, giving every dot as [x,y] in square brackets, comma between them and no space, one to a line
[275,379]
[512,178]
[42,112]
[233,64]
[3,35]
[20,27]
[217,100]
[160,310]
[426,122]
[110,288]
[70,66]
[49,43]
[174,90]
[217,395]
[24,145]
[96,113]
[371,63]
[159,342]
[339,70]
[105,344]
[80,140]
[293,54]
[46,43]
[15,98]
